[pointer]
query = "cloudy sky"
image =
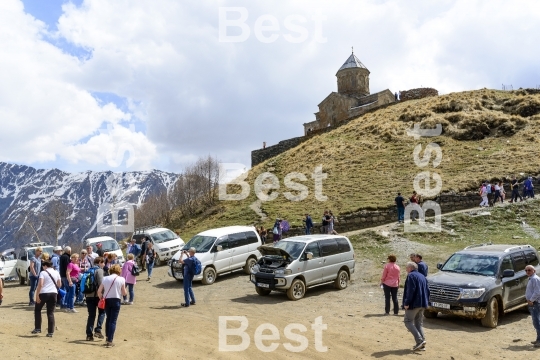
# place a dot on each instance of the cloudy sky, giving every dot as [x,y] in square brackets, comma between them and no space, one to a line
[139,84]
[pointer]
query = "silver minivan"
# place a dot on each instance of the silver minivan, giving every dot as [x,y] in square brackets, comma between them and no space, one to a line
[294,264]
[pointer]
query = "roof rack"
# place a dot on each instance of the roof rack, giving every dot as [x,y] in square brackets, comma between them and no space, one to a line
[144,228]
[519,247]
[478,245]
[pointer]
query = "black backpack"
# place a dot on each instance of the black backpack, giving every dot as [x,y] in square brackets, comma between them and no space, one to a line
[135,271]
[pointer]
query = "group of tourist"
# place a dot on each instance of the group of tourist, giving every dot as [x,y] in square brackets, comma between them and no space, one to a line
[491,193]
[415,294]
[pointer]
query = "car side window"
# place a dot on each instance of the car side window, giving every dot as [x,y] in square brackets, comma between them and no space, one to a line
[314,249]
[251,237]
[531,258]
[223,241]
[238,239]
[343,245]
[507,264]
[519,261]
[329,247]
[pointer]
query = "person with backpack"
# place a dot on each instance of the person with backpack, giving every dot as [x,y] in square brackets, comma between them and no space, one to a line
[150,258]
[490,193]
[91,281]
[131,279]
[190,270]
[277,230]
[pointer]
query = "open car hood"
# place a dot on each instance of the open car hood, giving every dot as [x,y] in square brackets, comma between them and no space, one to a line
[270,250]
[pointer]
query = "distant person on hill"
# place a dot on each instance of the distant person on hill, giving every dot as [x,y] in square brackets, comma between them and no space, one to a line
[415,199]
[277,230]
[390,284]
[503,193]
[528,188]
[415,301]
[490,193]
[515,191]
[308,224]
[325,220]
[422,266]
[395,95]
[498,195]
[483,194]
[331,224]
[400,203]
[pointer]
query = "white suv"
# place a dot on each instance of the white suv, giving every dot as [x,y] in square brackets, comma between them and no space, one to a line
[7,264]
[221,251]
[108,245]
[166,242]
[23,259]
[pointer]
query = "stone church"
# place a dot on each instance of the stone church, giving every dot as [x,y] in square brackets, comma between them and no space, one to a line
[352,98]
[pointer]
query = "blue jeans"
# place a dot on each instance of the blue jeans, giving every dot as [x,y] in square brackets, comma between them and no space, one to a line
[131,292]
[92,305]
[33,286]
[70,296]
[401,214]
[112,309]
[188,290]
[150,268]
[535,314]
[65,286]
[308,231]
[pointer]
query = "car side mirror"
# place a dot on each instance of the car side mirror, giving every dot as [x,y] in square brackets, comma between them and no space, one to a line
[309,256]
[219,248]
[439,265]
[508,273]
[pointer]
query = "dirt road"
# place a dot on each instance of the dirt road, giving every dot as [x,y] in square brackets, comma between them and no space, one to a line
[156,327]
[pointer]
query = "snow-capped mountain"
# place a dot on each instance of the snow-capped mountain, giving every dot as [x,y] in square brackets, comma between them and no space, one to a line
[35,195]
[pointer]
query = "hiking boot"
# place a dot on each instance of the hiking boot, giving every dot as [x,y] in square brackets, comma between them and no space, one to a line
[50,335]
[89,338]
[98,335]
[36,331]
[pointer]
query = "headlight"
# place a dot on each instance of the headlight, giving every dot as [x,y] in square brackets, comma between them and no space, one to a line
[165,249]
[472,293]
[283,272]
[255,269]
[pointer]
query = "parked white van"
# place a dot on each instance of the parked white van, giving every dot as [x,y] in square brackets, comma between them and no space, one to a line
[24,256]
[294,264]
[108,244]
[7,264]
[220,251]
[166,242]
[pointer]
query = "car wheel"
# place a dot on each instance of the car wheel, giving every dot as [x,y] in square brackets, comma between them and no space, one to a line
[492,314]
[297,290]
[249,264]
[430,314]
[209,276]
[342,280]
[262,292]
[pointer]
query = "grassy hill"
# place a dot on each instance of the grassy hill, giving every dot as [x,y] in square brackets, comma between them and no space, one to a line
[487,134]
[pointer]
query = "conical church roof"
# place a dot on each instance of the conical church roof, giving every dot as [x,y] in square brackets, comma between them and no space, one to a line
[352,62]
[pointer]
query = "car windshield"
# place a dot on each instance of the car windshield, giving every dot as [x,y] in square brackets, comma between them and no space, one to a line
[163,236]
[293,248]
[106,245]
[472,264]
[200,243]
[46,249]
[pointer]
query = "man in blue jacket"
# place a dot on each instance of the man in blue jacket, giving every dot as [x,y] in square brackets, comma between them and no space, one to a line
[422,266]
[415,301]
[309,224]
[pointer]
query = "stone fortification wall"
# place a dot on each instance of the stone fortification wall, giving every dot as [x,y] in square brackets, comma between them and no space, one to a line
[258,156]
[417,93]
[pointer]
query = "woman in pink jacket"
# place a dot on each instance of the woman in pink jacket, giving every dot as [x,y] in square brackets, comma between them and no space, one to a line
[390,284]
[130,279]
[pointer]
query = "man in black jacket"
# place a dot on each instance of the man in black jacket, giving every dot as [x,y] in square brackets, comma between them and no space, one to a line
[65,259]
[144,248]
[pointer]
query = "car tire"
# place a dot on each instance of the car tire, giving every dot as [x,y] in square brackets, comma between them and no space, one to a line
[249,264]
[492,314]
[262,292]
[342,280]
[209,276]
[430,314]
[297,290]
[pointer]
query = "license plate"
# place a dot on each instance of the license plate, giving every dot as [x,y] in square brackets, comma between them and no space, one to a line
[263,285]
[440,305]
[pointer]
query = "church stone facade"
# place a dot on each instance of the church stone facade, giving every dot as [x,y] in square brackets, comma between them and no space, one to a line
[352,98]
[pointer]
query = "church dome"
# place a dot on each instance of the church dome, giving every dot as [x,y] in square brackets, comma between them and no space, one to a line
[352,62]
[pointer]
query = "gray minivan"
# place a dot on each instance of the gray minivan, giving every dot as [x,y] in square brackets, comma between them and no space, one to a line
[294,264]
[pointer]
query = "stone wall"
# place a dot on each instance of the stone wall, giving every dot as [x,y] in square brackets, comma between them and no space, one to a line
[417,93]
[258,156]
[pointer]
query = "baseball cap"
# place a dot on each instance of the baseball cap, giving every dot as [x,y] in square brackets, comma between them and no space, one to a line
[57,248]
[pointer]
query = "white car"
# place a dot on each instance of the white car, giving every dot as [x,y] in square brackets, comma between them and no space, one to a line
[24,256]
[108,244]
[7,264]
[220,251]
[166,242]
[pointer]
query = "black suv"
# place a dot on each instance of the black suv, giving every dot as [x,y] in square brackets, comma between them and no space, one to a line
[481,282]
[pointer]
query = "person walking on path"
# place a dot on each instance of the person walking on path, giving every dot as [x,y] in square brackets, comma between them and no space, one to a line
[422,266]
[65,259]
[150,259]
[189,273]
[92,301]
[390,284]
[35,269]
[73,270]
[497,188]
[333,220]
[325,220]
[532,295]
[130,279]
[277,230]
[415,199]
[484,195]
[415,301]
[515,191]
[112,289]
[503,193]
[400,203]
[308,223]
[47,290]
